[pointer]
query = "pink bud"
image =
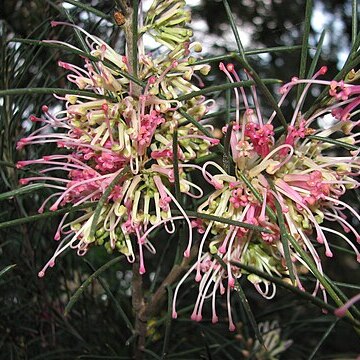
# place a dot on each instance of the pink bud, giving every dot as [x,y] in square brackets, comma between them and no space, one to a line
[328,253]
[230,67]
[20,164]
[198,277]
[142,270]
[323,70]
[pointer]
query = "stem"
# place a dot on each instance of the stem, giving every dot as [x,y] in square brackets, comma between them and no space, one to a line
[131,14]
[138,304]
[155,305]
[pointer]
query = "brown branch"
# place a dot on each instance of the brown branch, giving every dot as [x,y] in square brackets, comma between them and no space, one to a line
[127,13]
[158,299]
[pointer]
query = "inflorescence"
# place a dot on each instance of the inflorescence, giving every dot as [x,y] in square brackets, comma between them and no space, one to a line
[123,141]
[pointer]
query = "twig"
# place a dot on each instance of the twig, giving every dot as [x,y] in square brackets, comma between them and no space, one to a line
[158,299]
[139,305]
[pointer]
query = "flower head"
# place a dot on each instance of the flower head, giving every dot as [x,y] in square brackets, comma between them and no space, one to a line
[297,173]
[120,140]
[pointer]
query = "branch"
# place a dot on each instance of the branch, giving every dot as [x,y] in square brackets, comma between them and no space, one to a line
[138,305]
[155,305]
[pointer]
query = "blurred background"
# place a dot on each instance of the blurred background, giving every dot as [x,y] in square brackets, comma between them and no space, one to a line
[32,321]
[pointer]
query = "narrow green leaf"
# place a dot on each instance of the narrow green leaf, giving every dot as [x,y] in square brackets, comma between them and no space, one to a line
[6,269]
[247,182]
[149,352]
[167,323]
[199,126]
[88,8]
[317,55]
[23,190]
[227,156]
[88,281]
[104,198]
[305,42]
[160,263]
[323,338]
[317,274]
[82,54]
[230,16]
[32,218]
[222,87]
[279,281]
[245,303]
[118,307]
[261,83]
[354,24]
[283,235]
[334,142]
[134,24]
[205,158]
[227,221]
[250,53]
[176,166]
[58,91]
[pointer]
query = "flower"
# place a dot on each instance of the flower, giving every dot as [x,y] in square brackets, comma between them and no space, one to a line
[298,171]
[122,141]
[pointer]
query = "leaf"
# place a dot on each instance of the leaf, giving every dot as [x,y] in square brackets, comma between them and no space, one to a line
[323,338]
[20,191]
[245,303]
[354,24]
[226,221]
[261,83]
[176,166]
[118,307]
[305,42]
[230,16]
[215,88]
[283,235]
[6,269]
[199,126]
[317,55]
[167,323]
[46,215]
[88,8]
[334,142]
[58,91]
[74,298]
[250,53]
[104,198]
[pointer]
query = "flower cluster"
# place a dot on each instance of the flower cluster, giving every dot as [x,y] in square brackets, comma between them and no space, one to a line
[120,140]
[117,151]
[299,171]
